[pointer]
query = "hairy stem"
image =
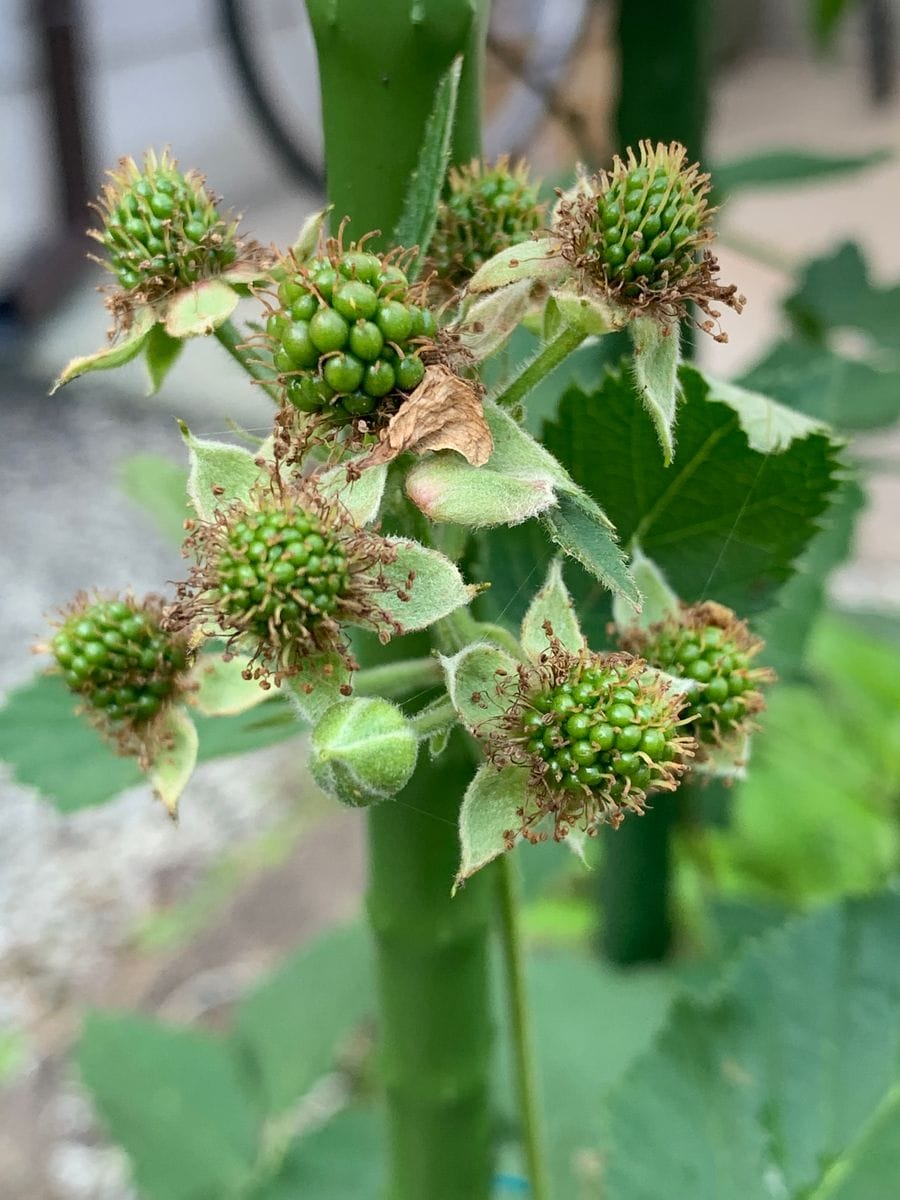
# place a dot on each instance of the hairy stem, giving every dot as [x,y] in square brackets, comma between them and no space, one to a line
[433,719]
[521,1028]
[398,680]
[546,360]
[230,337]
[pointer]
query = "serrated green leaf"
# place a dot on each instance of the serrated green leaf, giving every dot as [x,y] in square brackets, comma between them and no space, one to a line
[52,749]
[420,586]
[658,601]
[488,817]
[220,689]
[363,750]
[174,1100]
[849,393]
[341,1161]
[117,354]
[789,1076]
[292,1025]
[552,605]
[724,521]
[657,352]
[160,354]
[473,676]
[836,293]
[173,765]
[769,426]
[219,474]
[537,261]
[420,204]
[362,497]
[200,309]
[160,487]
[582,530]
[781,168]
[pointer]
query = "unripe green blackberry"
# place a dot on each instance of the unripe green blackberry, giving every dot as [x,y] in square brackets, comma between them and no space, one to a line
[278,574]
[348,336]
[486,209]
[639,232]
[161,228]
[598,732]
[114,654]
[706,643]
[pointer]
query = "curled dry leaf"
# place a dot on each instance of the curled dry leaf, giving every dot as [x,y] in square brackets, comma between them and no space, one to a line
[443,413]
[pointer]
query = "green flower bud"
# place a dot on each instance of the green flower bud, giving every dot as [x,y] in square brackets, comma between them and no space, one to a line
[349,335]
[115,655]
[363,751]
[486,209]
[707,644]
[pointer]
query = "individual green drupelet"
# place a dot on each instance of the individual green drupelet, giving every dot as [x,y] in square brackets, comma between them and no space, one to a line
[161,228]
[348,338]
[486,209]
[115,656]
[279,566]
[707,643]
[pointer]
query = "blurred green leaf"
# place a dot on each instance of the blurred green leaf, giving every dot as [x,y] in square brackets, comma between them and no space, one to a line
[836,293]
[173,1099]
[826,15]
[160,487]
[850,394]
[725,521]
[291,1026]
[784,1084]
[51,748]
[781,168]
[340,1161]
[160,354]
[419,216]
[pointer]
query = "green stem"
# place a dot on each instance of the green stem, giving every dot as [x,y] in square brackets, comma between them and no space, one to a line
[434,718]
[546,360]
[521,1027]
[230,337]
[397,680]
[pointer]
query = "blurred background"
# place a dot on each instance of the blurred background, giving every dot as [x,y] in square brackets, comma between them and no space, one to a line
[111,905]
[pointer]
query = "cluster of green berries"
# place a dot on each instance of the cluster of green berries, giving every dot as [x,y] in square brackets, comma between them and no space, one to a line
[114,655]
[279,569]
[486,209]
[597,731]
[650,219]
[347,337]
[161,229]
[711,647]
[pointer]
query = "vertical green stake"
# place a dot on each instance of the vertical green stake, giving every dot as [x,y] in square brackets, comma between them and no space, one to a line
[664,96]
[380,62]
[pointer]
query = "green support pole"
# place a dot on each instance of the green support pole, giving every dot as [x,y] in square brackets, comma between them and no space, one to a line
[380,64]
[664,96]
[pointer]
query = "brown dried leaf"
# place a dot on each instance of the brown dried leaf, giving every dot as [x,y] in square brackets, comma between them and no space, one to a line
[443,413]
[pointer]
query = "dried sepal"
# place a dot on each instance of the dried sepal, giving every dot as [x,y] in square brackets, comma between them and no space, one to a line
[708,646]
[596,734]
[277,574]
[129,671]
[640,234]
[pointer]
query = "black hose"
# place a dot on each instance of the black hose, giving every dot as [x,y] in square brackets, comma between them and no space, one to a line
[240,47]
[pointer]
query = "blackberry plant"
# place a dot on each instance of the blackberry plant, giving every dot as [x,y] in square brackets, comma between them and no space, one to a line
[425,505]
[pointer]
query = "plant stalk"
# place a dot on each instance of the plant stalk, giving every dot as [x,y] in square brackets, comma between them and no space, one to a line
[533,1139]
[547,359]
[379,68]
[399,680]
[229,336]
